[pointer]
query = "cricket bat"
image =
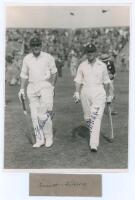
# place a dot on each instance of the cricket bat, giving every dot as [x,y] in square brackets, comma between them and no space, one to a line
[110,122]
[110,136]
[30,135]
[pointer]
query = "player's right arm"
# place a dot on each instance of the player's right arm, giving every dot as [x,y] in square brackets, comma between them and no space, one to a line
[24,77]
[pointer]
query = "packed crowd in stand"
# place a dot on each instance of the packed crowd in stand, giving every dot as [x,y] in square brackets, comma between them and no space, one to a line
[63,44]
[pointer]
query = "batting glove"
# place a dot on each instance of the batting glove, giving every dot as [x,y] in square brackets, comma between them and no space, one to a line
[76,97]
[109,99]
[21,93]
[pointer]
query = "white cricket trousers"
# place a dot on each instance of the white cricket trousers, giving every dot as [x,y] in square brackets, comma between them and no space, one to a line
[93,103]
[41,101]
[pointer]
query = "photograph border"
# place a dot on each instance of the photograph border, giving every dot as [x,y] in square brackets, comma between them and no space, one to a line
[70,170]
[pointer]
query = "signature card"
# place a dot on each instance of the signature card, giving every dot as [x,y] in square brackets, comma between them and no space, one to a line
[65,185]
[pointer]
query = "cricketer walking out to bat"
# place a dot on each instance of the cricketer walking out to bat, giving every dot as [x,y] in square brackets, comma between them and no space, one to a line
[92,85]
[40,71]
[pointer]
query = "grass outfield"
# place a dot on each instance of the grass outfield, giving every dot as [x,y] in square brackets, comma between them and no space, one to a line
[68,151]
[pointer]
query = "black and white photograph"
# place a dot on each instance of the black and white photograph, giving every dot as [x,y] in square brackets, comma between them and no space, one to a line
[67,87]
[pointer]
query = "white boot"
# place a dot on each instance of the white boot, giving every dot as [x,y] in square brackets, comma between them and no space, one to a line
[38,144]
[49,142]
[39,140]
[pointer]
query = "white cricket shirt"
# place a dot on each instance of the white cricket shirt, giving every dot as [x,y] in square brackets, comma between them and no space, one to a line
[92,75]
[38,69]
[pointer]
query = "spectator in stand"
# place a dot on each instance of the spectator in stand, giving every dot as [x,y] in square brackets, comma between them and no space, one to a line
[12,71]
[56,41]
[73,63]
[59,64]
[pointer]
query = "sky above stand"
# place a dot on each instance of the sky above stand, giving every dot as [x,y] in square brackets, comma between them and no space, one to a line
[67,16]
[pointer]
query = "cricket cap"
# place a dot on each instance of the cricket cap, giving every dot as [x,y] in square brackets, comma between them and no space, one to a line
[35,41]
[90,48]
